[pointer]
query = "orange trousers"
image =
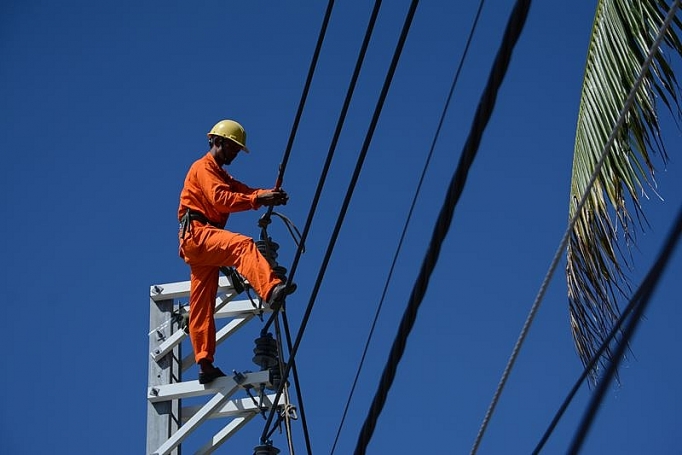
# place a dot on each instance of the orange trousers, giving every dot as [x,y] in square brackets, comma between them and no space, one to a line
[205,249]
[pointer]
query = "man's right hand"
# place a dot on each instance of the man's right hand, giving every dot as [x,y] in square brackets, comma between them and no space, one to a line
[273,197]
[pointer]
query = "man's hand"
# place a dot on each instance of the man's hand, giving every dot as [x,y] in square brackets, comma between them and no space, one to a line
[273,197]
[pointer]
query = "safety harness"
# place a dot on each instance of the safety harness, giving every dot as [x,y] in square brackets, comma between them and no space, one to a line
[193,215]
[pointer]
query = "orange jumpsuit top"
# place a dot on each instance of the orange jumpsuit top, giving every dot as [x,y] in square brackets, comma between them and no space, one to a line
[210,190]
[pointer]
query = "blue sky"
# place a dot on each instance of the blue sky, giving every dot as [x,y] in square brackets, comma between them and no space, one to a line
[105,106]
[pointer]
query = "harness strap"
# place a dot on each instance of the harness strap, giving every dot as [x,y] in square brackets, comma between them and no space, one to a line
[193,215]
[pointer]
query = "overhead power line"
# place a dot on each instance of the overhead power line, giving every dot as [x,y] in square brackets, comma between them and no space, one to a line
[318,192]
[562,246]
[647,289]
[266,218]
[351,186]
[642,294]
[482,116]
[335,138]
[306,89]
[407,222]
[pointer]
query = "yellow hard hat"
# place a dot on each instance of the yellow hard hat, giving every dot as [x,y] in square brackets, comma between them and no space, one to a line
[229,129]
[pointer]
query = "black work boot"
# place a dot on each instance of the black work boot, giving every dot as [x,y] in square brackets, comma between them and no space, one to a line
[208,372]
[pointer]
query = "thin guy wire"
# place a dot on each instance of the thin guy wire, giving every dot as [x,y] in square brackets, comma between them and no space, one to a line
[557,255]
[588,368]
[407,222]
[297,385]
[287,400]
[648,286]
[481,119]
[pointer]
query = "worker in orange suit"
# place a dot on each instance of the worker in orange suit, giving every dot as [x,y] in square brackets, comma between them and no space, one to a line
[208,197]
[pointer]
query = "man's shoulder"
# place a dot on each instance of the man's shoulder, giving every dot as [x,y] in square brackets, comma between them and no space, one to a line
[207,166]
[204,161]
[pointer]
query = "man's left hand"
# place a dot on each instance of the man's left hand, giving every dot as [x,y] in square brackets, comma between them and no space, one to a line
[273,197]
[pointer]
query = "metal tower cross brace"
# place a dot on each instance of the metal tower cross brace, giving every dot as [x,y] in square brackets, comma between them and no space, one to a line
[168,423]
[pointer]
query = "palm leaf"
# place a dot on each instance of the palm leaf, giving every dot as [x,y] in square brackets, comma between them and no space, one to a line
[598,252]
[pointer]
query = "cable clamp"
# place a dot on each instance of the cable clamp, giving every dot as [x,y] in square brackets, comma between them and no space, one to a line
[238,377]
[265,220]
[289,411]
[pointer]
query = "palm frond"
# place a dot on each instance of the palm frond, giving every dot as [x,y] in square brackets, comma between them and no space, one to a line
[598,252]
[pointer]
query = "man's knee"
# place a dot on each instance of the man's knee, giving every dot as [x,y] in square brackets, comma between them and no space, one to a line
[243,244]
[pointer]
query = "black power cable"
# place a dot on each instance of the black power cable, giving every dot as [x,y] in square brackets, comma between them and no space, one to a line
[647,289]
[405,226]
[349,194]
[304,95]
[634,301]
[265,220]
[316,198]
[616,328]
[483,114]
[337,133]
[325,171]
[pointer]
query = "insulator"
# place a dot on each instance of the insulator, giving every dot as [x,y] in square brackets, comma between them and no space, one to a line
[281,272]
[265,449]
[268,248]
[265,352]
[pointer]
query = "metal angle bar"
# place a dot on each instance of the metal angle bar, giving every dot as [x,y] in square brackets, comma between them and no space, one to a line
[180,289]
[168,345]
[190,389]
[192,424]
[221,336]
[163,418]
[234,308]
[231,327]
[223,300]
[234,408]
[239,307]
[224,434]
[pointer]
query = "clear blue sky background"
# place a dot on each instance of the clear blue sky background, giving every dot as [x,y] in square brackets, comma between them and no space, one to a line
[105,106]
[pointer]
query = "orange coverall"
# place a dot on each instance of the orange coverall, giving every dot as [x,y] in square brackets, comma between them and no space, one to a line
[210,190]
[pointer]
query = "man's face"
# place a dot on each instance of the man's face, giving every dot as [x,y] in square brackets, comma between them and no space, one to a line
[230,150]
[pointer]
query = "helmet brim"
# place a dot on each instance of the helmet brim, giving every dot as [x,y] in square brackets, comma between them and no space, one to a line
[241,146]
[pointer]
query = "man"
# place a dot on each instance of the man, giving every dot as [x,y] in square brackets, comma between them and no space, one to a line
[208,197]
